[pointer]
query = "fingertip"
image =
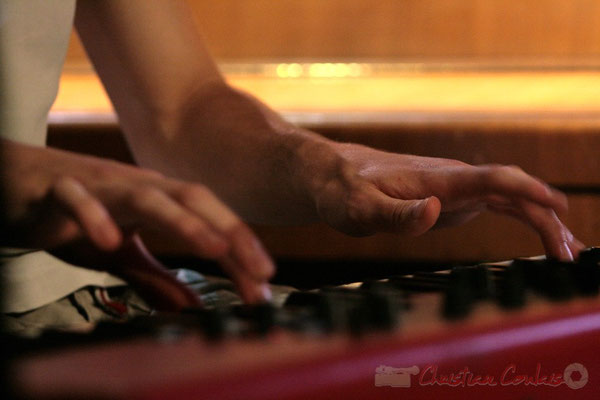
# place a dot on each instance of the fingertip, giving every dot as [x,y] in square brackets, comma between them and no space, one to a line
[113,237]
[107,236]
[256,293]
[560,252]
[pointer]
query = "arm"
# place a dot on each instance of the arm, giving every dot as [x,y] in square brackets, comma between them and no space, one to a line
[60,201]
[182,119]
[174,105]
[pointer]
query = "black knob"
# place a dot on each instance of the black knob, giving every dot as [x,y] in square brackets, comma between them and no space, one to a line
[333,311]
[384,307]
[214,322]
[557,280]
[302,299]
[533,272]
[458,296]
[586,276]
[591,255]
[480,281]
[263,317]
[511,286]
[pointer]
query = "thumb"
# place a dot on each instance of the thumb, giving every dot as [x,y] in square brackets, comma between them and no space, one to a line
[413,217]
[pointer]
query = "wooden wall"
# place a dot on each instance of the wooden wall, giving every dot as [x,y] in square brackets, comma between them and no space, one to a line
[562,30]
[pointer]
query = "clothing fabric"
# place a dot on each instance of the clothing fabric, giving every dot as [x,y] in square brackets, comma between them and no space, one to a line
[34,36]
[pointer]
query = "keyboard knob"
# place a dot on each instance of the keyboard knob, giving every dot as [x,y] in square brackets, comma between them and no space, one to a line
[533,273]
[590,255]
[214,322]
[384,308]
[264,317]
[458,295]
[511,287]
[333,311]
[557,280]
[586,276]
[480,282]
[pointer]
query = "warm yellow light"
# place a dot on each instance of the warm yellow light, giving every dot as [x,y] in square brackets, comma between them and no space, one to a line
[282,71]
[319,70]
[354,70]
[294,70]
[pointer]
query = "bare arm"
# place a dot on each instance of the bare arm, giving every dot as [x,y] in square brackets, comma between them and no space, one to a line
[182,119]
[174,105]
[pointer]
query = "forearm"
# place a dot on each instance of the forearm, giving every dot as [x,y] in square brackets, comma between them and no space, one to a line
[246,153]
[181,118]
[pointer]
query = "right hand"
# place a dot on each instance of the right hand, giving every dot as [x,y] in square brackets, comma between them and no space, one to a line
[55,197]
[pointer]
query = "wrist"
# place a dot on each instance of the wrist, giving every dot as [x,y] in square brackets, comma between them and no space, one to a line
[320,166]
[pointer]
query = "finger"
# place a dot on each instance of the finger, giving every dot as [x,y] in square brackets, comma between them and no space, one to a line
[248,252]
[576,247]
[251,290]
[245,248]
[156,210]
[510,181]
[380,212]
[92,216]
[556,237]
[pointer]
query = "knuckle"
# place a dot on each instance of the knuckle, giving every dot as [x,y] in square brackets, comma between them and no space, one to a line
[145,197]
[150,173]
[514,168]
[357,206]
[107,170]
[188,226]
[493,172]
[190,194]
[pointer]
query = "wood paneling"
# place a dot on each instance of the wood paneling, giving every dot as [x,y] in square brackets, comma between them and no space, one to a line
[397,29]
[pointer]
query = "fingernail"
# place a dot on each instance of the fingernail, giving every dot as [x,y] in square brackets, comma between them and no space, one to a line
[266,293]
[260,294]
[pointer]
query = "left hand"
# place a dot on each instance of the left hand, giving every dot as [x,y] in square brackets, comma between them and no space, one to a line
[361,191]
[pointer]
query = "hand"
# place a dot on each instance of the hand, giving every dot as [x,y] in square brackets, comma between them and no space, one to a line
[363,190]
[54,197]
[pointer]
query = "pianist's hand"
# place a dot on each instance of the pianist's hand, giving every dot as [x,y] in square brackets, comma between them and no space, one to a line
[367,190]
[55,197]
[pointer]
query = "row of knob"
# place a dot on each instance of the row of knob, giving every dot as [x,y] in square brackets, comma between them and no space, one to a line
[378,305]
